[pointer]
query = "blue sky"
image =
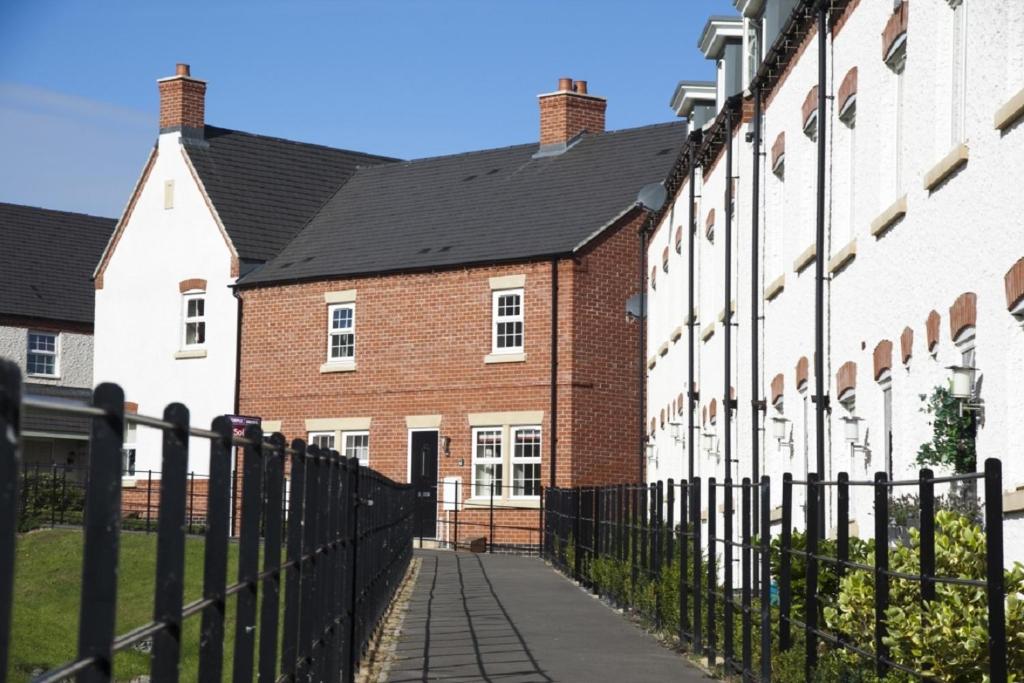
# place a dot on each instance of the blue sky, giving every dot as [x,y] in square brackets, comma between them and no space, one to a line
[78,97]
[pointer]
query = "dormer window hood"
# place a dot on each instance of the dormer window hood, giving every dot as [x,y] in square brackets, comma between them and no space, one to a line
[722,41]
[694,101]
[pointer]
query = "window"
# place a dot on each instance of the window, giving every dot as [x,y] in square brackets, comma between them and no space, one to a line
[507,318]
[341,332]
[357,445]
[753,48]
[194,316]
[322,440]
[887,428]
[487,461]
[128,450]
[42,354]
[897,61]
[526,461]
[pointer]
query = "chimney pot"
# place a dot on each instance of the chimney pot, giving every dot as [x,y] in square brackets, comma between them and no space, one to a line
[565,84]
[580,87]
[182,70]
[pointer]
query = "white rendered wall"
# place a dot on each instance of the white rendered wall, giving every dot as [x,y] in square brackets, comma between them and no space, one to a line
[961,237]
[139,310]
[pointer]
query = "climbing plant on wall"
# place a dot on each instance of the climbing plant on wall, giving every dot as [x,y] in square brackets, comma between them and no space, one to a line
[953,433]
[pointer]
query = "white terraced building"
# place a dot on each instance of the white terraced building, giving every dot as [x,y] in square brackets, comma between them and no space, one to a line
[923,246]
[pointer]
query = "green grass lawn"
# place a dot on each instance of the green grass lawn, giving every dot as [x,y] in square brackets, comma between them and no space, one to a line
[46,601]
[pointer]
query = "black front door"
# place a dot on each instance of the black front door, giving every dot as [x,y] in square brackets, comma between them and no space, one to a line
[424,480]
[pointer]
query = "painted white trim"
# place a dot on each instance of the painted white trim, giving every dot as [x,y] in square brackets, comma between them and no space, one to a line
[326,424]
[344,296]
[496,295]
[508,282]
[332,331]
[524,418]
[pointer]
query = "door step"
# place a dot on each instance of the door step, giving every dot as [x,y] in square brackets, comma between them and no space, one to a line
[427,543]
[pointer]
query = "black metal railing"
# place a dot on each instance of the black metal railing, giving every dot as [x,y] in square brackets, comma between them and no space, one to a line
[345,531]
[590,533]
[492,518]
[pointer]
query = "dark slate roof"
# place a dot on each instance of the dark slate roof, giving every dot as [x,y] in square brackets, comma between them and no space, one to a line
[49,257]
[265,189]
[479,207]
[33,420]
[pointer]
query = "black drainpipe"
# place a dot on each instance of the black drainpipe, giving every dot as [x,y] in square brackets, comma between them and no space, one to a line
[757,404]
[554,369]
[821,398]
[691,321]
[727,401]
[642,353]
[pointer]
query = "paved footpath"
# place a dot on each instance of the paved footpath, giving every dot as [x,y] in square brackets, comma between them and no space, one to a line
[507,619]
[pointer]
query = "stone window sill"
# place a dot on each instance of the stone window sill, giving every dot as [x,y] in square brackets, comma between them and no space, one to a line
[892,213]
[485,502]
[1009,113]
[128,482]
[843,257]
[663,349]
[190,353]
[707,332]
[676,334]
[651,362]
[775,287]
[505,358]
[805,258]
[338,367]
[947,166]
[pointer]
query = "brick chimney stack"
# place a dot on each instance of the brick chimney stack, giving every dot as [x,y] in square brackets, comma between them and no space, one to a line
[568,112]
[182,103]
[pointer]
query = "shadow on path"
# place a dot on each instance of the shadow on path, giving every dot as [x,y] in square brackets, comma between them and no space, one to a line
[505,619]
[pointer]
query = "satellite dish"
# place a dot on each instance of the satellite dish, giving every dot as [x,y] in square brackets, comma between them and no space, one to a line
[652,197]
[636,307]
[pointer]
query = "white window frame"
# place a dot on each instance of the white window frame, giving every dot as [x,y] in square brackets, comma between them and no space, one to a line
[129,451]
[497,320]
[312,437]
[55,354]
[494,461]
[186,319]
[958,82]
[365,462]
[534,460]
[332,332]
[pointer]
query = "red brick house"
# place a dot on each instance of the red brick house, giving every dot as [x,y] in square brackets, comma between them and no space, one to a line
[462,318]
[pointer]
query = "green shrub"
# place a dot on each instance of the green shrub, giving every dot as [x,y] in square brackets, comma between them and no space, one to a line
[947,638]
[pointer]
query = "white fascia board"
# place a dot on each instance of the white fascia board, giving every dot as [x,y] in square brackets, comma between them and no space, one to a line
[716,32]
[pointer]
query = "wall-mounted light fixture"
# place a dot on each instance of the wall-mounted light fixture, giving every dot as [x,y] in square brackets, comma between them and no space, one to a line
[710,443]
[652,453]
[851,432]
[780,428]
[964,388]
[446,445]
[677,433]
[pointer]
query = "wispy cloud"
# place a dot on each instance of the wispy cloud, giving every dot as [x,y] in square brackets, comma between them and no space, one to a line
[68,152]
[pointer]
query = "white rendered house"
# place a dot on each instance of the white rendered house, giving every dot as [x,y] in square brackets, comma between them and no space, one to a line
[924,249]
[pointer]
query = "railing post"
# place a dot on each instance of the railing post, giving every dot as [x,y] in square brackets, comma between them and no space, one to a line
[926,498]
[697,553]
[670,512]
[577,554]
[747,513]
[191,501]
[149,499]
[98,612]
[996,591]
[656,539]
[490,533]
[356,503]
[273,492]
[53,495]
[248,555]
[727,597]
[542,528]
[10,429]
[712,574]
[458,504]
[170,547]
[766,577]
[786,564]
[881,570]
[811,577]
[215,559]
[843,523]
[634,536]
